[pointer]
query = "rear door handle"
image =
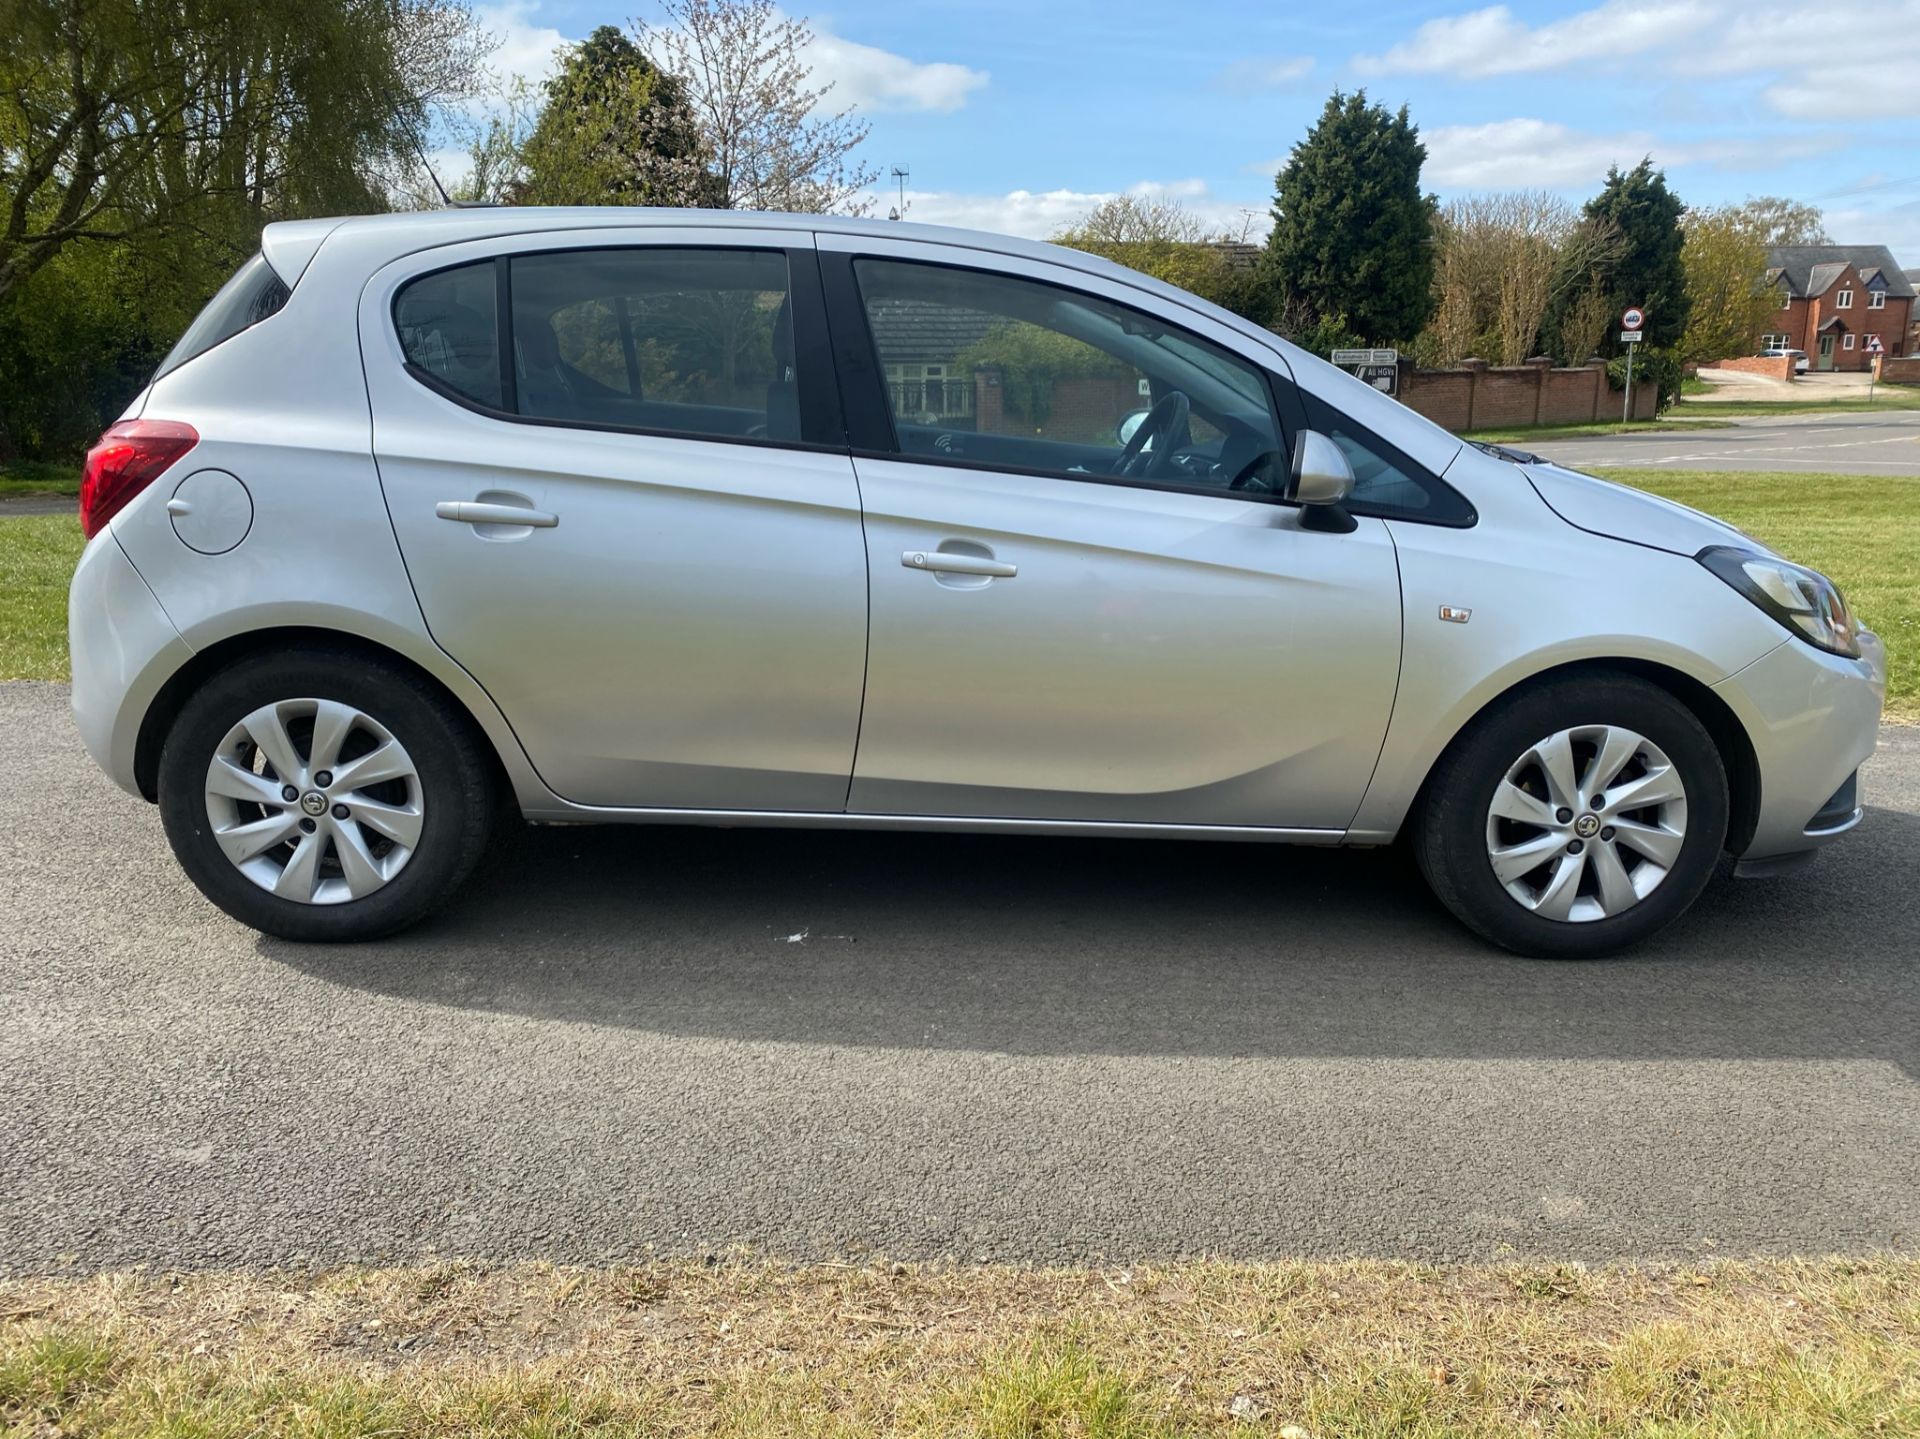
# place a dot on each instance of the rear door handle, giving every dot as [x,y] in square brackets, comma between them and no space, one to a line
[946,562]
[479,512]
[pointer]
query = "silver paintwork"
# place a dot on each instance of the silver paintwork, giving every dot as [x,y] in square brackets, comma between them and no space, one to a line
[1586,823]
[299,819]
[721,633]
[1321,473]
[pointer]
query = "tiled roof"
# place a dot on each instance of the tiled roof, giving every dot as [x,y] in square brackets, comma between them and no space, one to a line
[1810,269]
[916,331]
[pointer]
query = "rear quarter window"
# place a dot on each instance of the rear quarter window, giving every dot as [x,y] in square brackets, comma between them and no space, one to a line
[449,331]
[254,294]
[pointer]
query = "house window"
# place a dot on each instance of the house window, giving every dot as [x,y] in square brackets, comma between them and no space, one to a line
[1786,298]
[1876,299]
[1847,343]
[1843,300]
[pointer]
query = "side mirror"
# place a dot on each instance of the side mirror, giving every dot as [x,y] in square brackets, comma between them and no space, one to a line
[1128,424]
[1322,480]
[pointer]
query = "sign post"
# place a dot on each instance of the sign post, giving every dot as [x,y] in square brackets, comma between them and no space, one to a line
[1630,335]
[1874,351]
[1379,368]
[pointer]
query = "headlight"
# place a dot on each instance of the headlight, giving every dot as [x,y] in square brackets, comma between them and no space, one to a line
[1808,603]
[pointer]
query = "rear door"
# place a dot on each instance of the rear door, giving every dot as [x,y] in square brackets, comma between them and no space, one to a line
[1053,639]
[616,469]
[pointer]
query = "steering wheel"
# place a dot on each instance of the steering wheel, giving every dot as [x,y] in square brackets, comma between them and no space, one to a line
[1167,418]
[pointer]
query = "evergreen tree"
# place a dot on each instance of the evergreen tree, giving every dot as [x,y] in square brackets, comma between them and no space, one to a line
[616,130]
[1352,242]
[1647,270]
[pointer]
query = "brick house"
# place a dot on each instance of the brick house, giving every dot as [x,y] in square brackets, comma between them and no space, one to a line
[1832,297]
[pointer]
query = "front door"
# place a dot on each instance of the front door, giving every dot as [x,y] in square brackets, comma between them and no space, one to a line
[1074,615]
[621,530]
[1826,351]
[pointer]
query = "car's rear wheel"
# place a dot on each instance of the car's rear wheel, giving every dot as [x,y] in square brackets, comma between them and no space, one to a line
[324,796]
[1578,818]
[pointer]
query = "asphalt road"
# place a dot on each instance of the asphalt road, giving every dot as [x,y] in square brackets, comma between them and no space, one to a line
[1886,442]
[924,1046]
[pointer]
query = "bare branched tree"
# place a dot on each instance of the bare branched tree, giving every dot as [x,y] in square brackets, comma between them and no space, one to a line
[1503,259]
[769,140]
[1139,220]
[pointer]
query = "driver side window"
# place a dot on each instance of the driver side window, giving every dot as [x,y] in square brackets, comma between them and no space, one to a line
[991,370]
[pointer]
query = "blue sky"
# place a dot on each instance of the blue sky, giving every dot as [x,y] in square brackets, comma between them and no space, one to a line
[1018,115]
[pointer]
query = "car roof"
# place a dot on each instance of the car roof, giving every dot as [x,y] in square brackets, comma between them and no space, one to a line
[290,244]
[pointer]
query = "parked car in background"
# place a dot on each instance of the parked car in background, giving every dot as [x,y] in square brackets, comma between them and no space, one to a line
[1799,358]
[626,516]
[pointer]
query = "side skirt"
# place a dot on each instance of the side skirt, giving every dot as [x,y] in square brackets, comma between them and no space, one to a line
[942,824]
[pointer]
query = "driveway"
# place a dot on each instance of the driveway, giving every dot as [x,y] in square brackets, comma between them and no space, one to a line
[634,1040]
[1885,442]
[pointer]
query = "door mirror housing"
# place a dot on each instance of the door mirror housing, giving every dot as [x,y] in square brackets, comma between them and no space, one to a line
[1322,480]
[1129,422]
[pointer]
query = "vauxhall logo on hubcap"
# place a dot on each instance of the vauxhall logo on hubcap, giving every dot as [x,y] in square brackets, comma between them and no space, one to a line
[314,803]
[1587,826]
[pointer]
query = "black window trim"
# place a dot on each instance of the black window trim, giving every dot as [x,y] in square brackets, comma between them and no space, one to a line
[822,429]
[872,434]
[168,363]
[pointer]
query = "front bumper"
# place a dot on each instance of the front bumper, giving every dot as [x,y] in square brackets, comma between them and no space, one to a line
[1813,718]
[124,648]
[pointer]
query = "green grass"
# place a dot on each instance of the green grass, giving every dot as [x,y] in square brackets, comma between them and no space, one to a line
[1786,1349]
[1885,397]
[1862,530]
[37,477]
[37,556]
[1601,427]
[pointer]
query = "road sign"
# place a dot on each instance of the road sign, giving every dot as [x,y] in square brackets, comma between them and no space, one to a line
[1631,337]
[1634,318]
[1348,359]
[1384,378]
[1874,347]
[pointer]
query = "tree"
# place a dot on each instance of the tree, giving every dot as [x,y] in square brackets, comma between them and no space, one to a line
[1352,232]
[1646,269]
[616,129]
[1779,221]
[1164,239]
[1729,300]
[203,119]
[1501,261]
[759,119]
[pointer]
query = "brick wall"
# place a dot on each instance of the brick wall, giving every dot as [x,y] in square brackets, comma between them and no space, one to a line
[1779,368]
[1902,371]
[1479,396]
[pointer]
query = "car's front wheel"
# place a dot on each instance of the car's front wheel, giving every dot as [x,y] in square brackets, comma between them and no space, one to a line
[324,796]
[1578,818]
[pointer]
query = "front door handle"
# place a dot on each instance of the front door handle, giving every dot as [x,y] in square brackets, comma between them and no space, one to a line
[479,512]
[949,563]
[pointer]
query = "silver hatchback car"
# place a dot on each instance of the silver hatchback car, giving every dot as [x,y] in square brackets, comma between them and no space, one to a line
[673,517]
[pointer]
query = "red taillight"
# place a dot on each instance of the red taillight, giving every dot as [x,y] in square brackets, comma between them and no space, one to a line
[124,461]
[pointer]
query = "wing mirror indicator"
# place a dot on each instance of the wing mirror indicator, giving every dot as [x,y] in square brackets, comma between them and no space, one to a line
[1322,481]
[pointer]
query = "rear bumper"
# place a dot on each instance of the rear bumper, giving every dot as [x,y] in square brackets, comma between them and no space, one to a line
[1813,718]
[124,648]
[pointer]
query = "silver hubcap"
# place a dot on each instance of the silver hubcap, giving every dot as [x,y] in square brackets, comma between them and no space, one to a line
[314,801]
[1587,823]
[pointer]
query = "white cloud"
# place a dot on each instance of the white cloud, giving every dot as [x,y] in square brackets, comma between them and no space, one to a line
[1493,42]
[876,79]
[1250,76]
[526,49]
[1895,226]
[1041,214]
[1523,152]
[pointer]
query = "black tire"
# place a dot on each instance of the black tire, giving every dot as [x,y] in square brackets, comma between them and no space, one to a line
[456,778]
[1450,832]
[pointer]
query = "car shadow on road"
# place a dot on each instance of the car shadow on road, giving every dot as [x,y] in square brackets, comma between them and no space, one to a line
[1049,946]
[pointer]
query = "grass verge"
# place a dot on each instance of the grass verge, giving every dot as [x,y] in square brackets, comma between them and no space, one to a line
[36,477]
[1885,397]
[37,556]
[1862,530]
[1601,428]
[1798,1348]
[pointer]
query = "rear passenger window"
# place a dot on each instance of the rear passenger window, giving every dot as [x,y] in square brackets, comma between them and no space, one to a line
[449,331]
[692,342]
